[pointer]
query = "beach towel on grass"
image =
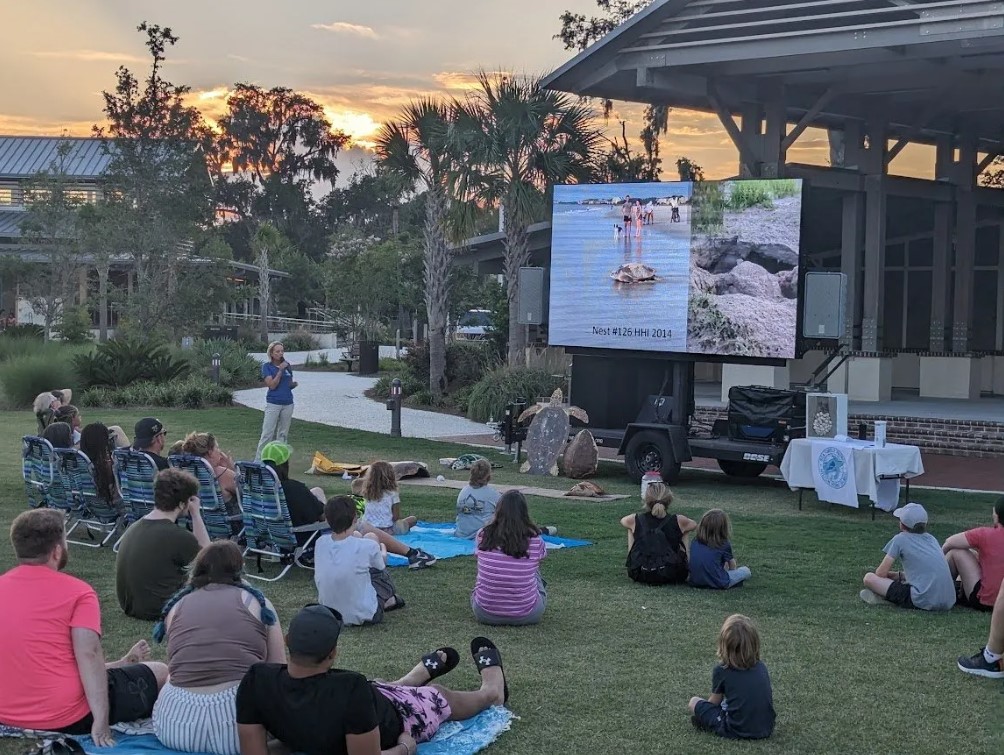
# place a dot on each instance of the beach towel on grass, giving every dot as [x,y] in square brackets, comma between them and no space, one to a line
[437,538]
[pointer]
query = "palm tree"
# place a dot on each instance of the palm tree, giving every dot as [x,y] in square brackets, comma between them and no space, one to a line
[512,141]
[413,148]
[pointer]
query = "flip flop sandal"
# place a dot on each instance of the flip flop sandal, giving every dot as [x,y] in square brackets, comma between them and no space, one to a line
[488,657]
[436,666]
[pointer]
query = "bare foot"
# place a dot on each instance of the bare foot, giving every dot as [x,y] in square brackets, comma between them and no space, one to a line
[493,681]
[138,653]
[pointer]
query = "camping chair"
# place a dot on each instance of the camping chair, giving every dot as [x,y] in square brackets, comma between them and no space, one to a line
[135,471]
[90,509]
[39,467]
[270,533]
[220,524]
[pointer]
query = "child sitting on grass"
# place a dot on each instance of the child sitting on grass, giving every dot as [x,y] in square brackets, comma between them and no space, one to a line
[657,549]
[711,561]
[350,570]
[741,703]
[926,581]
[476,502]
[383,504]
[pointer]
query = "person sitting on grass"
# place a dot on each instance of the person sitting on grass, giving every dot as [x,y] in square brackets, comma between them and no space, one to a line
[217,627]
[149,436]
[509,549]
[712,563]
[989,662]
[59,434]
[925,581]
[154,553]
[476,501]
[224,469]
[383,503]
[979,574]
[350,570]
[311,707]
[657,550]
[96,444]
[53,674]
[741,703]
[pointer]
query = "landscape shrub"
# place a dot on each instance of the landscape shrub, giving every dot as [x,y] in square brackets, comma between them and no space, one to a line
[300,340]
[122,362]
[319,359]
[195,392]
[25,331]
[466,362]
[28,375]
[708,207]
[237,368]
[502,386]
[389,364]
[74,326]
[410,387]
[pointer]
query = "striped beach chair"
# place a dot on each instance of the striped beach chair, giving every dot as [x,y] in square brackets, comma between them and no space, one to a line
[135,471]
[221,524]
[39,467]
[269,531]
[91,511]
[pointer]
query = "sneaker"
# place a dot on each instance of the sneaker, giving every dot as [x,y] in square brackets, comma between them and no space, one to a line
[552,531]
[870,598]
[420,559]
[978,666]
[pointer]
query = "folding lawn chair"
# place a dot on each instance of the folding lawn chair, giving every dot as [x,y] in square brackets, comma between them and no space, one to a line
[39,467]
[91,510]
[270,533]
[220,524]
[135,471]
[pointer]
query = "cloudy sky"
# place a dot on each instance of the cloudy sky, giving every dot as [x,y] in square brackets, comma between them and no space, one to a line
[362,61]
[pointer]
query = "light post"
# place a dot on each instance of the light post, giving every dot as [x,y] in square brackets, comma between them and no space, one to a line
[216,368]
[394,405]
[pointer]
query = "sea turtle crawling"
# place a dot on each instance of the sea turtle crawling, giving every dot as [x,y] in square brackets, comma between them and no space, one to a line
[634,272]
[548,433]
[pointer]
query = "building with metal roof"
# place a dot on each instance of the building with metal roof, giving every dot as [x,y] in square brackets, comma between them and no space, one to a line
[924,259]
[21,157]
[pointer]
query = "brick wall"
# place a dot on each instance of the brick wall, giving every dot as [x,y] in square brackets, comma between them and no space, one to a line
[943,436]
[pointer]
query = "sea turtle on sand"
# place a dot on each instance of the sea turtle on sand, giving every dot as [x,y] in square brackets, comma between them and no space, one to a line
[634,272]
[586,489]
[548,433]
[581,456]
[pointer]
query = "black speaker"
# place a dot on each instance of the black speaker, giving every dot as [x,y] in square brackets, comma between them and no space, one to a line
[531,296]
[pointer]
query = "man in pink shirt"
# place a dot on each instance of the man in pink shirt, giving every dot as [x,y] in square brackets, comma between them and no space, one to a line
[53,674]
[982,572]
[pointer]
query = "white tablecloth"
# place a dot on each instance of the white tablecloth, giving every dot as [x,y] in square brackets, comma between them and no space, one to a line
[871,464]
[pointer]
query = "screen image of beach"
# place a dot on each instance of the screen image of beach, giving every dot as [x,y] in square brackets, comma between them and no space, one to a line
[708,268]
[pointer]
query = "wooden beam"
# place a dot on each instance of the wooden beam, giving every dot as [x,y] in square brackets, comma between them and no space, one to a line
[986,162]
[809,116]
[715,97]
[927,114]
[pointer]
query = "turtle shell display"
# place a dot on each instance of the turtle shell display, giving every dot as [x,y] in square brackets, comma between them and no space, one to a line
[634,272]
[545,438]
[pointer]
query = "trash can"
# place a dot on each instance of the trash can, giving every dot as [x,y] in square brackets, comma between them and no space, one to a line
[369,357]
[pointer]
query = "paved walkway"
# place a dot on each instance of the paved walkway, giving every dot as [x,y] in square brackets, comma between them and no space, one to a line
[337,399]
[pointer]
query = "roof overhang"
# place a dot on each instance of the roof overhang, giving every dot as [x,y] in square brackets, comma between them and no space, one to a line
[927,68]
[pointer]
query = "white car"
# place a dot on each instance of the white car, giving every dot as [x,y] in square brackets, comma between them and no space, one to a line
[474,325]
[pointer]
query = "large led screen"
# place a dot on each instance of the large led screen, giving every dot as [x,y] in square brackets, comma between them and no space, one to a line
[702,268]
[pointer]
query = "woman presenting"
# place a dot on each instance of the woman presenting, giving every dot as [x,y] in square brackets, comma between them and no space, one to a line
[278,377]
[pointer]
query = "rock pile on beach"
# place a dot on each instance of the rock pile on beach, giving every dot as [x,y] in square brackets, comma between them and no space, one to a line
[744,284]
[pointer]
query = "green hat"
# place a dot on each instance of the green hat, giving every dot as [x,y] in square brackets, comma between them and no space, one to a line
[276,452]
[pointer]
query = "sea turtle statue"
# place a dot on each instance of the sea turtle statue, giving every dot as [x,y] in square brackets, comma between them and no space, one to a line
[548,433]
[634,272]
[581,457]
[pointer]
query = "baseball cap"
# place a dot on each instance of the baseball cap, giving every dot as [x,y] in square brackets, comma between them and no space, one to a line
[911,515]
[313,632]
[146,430]
[276,452]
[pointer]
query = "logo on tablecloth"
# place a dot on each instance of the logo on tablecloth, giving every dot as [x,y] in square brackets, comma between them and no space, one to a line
[833,467]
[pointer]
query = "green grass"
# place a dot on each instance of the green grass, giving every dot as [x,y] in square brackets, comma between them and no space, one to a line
[613,664]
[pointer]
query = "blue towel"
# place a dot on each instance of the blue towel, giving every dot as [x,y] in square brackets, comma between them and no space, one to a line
[453,738]
[437,538]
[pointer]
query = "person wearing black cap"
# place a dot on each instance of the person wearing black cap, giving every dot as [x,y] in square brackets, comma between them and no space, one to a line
[318,710]
[149,437]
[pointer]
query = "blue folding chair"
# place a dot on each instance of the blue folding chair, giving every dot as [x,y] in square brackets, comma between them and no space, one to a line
[269,531]
[39,467]
[91,510]
[221,524]
[135,471]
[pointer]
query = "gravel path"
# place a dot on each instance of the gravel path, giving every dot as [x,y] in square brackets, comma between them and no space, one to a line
[336,398]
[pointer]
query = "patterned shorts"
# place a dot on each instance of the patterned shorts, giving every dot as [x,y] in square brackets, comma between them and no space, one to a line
[422,709]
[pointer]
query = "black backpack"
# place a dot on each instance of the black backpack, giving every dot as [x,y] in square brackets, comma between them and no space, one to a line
[653,558]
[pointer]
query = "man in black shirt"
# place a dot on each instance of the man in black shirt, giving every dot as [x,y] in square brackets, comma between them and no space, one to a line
[318,710]
[149,437]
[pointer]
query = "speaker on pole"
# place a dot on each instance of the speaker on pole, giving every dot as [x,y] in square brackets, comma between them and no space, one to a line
[532,284]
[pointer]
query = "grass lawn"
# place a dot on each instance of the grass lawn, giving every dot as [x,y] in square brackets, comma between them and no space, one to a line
[613,664]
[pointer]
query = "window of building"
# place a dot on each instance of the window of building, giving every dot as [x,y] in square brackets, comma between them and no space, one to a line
[6,196]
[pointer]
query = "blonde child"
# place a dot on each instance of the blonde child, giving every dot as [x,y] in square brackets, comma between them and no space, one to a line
[383,504]
[741,703]
[476,502]
[711,561]
[657,541]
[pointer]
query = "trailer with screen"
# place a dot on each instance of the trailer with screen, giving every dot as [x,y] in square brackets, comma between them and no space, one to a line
[707,268]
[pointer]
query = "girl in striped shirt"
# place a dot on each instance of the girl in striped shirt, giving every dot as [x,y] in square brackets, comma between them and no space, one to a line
[509,588]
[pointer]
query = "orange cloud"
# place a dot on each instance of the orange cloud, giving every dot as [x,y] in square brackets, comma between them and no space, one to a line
[89,56]
[343,27]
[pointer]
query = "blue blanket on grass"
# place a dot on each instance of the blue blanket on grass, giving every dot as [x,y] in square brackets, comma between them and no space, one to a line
[437,538]
[453,738]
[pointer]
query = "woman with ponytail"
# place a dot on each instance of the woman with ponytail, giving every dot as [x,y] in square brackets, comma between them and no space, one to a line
[217,627]
[657,540]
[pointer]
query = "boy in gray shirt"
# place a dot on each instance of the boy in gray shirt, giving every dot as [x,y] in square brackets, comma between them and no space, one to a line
[925,582]
[476,502]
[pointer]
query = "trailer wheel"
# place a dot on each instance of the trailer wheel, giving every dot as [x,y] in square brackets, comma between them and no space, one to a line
[742,468]
[650,451]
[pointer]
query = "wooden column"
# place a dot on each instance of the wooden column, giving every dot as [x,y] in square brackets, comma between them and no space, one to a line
[941,274]
[751,144]
[965,245]
[850,262]
[875,226]
[773,152]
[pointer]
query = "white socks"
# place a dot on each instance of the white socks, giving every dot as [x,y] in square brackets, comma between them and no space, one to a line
[989,656]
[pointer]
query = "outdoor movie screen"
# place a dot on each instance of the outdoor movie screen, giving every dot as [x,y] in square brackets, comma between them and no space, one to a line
[701,268]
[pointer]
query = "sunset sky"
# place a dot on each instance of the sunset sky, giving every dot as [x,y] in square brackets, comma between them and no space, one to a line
[361,61]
